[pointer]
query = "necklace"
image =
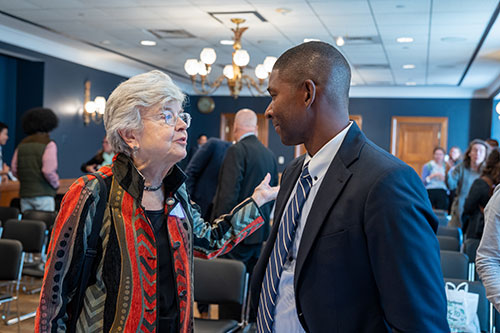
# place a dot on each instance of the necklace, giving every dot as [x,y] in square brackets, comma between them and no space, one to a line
[152,188]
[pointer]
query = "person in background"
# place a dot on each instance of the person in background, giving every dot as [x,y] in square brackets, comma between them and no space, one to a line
[479,194]
[200,141]
[103,157]
[492,142]
[202,172]
[461,177]
[433,176]
[146,228]
[488,252]
[4,168]
[454,156]
[35,161]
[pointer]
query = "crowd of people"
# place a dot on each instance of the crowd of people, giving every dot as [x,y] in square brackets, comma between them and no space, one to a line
[353,231]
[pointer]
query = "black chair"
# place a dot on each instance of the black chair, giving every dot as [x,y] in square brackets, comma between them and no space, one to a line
[451,232]
[455,265]
[442,216]
[220,281]
[447,243]
[40,215]
[483,307]
[58,200]
[32,235]
[470,249]
[15,202]
[11,263]
[7,213]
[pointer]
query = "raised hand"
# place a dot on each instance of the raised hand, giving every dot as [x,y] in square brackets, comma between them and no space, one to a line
[265,193]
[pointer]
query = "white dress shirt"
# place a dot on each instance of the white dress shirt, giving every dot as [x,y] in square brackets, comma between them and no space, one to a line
[285,313]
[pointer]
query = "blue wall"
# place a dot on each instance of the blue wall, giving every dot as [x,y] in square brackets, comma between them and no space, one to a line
[8,85]
[467,118]
[61,88]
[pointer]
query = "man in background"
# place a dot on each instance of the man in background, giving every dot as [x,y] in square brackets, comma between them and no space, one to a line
[4,136]
[203,172]
[245,164]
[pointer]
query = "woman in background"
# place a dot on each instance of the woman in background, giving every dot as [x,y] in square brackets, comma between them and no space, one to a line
[35,161]
[479,195]
[461,177]
[102,158]
[433,176]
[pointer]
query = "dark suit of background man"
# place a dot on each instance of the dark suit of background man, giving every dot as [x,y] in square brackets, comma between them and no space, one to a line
[245,164]
[203,172]
[365,257]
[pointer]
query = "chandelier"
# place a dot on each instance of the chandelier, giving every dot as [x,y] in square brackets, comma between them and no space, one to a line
[233,73]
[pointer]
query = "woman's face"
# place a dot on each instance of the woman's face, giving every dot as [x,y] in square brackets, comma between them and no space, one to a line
[160,141]
[454,154]
[439,156]
[477,154]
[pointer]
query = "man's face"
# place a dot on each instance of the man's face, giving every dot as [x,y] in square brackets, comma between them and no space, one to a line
[4,136]
[286,110]
[202,140]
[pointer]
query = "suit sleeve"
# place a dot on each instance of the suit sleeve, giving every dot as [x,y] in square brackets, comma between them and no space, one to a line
[197,164]
[230,178]
[404,253]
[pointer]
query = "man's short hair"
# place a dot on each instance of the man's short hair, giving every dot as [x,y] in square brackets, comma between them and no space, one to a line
[3,126]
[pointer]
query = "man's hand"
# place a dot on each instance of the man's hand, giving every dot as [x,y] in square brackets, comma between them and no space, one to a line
[265,193]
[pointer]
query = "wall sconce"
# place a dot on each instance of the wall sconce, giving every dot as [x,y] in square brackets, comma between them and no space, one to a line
[92,110]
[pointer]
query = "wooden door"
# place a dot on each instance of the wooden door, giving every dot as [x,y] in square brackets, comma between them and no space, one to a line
[226,127]
[301,149]
[414,138]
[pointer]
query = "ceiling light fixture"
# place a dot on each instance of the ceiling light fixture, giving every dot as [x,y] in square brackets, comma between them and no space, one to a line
[236,80]
[340,41]
[404,39]
[227,42]
[411,83]
[92,110]
[409,66]
[148,43]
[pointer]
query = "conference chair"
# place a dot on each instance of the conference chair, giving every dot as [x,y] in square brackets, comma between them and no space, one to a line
[7,213]
[483,307]
[442,216]
[451,232]
[470,249]
[448,243]
[455,265]
[11,266]
[220,281]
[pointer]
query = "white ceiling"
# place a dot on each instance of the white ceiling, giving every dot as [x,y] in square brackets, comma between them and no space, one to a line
[105,34]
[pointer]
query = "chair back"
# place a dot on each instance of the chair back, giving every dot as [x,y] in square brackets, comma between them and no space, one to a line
[220,281]
[40,215]
[470,248]
[442,216]
[455,265]
[451,232]
[30,233]
[447,243]
[7,213]
[11,259]
[483,307]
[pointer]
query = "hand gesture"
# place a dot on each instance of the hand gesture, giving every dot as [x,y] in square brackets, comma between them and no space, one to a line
[265,193]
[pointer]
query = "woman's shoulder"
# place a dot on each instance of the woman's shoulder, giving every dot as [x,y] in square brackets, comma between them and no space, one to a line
[91,182]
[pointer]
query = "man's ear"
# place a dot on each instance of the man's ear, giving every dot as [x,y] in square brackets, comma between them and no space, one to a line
[130,137]
[310,92]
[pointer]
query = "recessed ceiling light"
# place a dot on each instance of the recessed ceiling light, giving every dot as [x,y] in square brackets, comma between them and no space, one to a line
[411,83]
[453,39]
[340,41]
[283,11]
[227,42]
[409,66]
[404,39]
[148,42]
[307,40]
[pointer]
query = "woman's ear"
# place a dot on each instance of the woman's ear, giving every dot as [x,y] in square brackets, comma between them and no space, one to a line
[310,92]
[129,137]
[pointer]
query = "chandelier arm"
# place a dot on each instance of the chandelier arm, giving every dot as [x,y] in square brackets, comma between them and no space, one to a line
[251,81]
[212,86]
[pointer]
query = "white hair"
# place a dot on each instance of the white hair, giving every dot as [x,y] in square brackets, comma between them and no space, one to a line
[129,98]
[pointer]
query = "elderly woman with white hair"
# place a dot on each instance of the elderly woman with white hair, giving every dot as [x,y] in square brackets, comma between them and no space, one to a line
[122,247]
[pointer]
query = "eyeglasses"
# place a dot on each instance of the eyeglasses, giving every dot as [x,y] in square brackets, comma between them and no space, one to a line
[171,117]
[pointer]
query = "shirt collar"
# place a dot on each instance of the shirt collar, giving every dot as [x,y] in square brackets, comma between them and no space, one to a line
[319,163]
[245,135]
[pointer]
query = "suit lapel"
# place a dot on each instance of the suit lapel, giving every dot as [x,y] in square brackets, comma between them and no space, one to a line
[336,178]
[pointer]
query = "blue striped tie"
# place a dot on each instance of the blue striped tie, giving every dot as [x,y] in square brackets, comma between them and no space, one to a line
[282,245]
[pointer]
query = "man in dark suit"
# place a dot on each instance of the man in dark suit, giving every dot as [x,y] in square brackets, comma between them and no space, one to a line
[245,164]
[363,255]
[202,172]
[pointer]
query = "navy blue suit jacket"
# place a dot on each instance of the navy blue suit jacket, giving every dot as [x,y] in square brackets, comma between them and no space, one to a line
[368,260]
[203,172]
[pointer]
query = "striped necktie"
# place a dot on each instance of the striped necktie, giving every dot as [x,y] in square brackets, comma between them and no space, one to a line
[279,254]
